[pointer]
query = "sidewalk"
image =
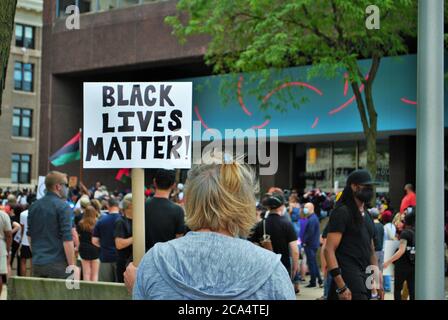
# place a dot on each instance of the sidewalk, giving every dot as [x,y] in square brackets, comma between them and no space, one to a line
[315,293]
[3,293]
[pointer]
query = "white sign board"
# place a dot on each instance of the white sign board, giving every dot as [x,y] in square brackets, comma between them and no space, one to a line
[41,190]
[137,125]
[390,247]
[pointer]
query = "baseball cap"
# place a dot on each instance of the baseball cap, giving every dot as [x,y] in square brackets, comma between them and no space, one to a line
[361,176]
[273,200]
[374,212]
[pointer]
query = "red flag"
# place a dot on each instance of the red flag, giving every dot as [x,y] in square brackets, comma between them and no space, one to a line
[123,175]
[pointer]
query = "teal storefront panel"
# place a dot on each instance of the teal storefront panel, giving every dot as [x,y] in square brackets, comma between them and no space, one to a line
[330,107]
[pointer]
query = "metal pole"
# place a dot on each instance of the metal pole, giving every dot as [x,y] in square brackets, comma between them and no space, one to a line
[81,155]
[138,214]
[430,280]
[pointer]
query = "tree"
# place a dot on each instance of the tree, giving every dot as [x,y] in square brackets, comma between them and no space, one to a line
[7,13]
[330,35]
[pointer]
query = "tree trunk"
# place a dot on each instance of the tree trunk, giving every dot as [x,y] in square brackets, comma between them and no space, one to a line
[7,13]
[371,152]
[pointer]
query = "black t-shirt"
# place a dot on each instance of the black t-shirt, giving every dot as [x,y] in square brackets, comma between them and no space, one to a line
[87,249]
[123,229]
[405,262]
[163,220]
[78,218]
[355,249]
[282,233]
[378,238]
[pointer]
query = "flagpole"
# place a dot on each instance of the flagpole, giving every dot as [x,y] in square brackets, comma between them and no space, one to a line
[80,155]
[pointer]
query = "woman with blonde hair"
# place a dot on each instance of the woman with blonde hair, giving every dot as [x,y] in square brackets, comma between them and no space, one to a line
[97,205]
[212,261]
[87,251]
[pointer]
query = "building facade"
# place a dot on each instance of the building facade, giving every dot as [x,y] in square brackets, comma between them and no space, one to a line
[19,122]
[319,143]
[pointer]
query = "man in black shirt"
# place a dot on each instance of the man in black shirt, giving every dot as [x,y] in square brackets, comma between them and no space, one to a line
[123,237]
[164,220]
[281,232]
[349,250]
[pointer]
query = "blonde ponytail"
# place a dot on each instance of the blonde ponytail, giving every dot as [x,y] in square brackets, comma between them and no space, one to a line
[221,197]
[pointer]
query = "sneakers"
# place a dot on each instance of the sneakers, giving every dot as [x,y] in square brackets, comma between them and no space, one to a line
[311,286]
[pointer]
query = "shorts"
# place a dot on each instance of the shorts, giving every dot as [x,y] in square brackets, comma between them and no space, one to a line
[25,252]
[56,270]
[3,264]
[108,272]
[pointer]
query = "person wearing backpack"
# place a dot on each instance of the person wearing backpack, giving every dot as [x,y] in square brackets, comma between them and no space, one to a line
[404,258]
[277,234]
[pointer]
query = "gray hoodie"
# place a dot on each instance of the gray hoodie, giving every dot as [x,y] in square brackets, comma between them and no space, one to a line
[209,265]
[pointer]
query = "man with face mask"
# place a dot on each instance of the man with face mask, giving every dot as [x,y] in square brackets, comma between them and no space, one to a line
[349,250]
[50,231]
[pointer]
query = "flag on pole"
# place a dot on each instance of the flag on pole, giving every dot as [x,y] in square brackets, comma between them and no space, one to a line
[68,153]
[123,175]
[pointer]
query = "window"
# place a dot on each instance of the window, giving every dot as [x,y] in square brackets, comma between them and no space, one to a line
[126,3]
[327,166]
[21,122]
[318,167]
[107,4]
[23,76]
[94,5]
[345,161]
[61,6]
[20,168]
[25,36]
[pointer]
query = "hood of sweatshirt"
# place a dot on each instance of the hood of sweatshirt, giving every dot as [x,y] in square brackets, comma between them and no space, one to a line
[208,265]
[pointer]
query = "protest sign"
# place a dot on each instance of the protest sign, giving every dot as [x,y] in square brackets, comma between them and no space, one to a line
[390,247]
[41,190]
[137,125]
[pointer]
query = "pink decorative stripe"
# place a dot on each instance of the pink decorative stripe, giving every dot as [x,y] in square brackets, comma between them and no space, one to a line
[316,121]
[347,103]
[196,110]
[408,101]
[261,126]
[345,84]
[240,97]
[290,84]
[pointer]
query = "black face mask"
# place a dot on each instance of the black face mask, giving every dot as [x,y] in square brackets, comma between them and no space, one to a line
[364,194]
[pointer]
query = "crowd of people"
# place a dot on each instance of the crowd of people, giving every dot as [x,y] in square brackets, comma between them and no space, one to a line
[200,237]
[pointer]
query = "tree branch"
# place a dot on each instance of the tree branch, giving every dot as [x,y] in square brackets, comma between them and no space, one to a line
[361,107]
[314,29]
[374,67]
[337,25]
[373,116]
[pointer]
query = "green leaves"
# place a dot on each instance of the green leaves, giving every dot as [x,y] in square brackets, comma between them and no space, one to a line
[256,35]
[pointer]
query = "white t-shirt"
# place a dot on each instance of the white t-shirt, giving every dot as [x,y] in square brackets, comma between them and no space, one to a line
[23,200]
[5,225]
[24,222]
